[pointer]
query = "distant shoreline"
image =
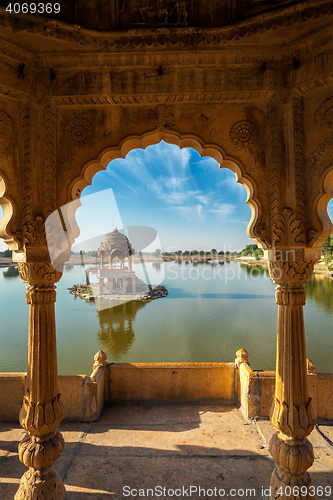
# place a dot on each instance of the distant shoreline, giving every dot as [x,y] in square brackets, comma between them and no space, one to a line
[319,268]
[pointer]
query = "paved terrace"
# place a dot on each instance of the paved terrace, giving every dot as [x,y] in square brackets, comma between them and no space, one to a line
[144,445]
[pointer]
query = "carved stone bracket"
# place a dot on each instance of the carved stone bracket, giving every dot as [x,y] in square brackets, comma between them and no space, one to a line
[162,117]
[34,232]
[288,230]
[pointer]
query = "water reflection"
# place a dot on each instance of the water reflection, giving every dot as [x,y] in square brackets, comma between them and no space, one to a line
[320,289]
[255,270]
[116,334]
[12,272]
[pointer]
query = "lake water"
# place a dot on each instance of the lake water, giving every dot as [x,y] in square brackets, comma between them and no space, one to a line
[212,310]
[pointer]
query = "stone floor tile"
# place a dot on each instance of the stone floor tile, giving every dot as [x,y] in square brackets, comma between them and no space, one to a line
[73,433]
[10,435]
[107,475]
[327,430]
[267,431]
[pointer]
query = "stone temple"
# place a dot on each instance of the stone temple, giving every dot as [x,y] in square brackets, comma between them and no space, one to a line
[121,278]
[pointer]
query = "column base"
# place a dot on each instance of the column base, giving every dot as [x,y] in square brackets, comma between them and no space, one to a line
[43,484]
[292,487]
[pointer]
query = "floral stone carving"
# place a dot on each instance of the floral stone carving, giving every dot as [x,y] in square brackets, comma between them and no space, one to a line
[6,125]
[79,132]
[324,115]
[243,134]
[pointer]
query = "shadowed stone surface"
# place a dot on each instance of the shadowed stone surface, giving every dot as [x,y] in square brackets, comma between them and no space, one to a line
[172,445]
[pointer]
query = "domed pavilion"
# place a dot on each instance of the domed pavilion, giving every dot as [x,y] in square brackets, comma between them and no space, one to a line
[116,249]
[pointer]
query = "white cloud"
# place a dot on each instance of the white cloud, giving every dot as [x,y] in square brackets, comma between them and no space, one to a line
[223,209]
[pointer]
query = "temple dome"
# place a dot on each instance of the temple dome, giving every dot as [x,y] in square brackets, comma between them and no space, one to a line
[116,242]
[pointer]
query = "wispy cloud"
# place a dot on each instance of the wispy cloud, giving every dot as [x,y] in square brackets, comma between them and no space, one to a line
[223,209]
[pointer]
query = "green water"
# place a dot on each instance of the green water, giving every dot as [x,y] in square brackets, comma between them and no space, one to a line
[212,310]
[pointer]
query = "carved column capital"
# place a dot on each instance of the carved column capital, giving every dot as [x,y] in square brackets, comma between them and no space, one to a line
[291,273]
[39,275]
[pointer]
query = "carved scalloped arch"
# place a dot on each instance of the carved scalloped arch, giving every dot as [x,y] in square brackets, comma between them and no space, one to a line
[9,209]
[320,208]
[142,142]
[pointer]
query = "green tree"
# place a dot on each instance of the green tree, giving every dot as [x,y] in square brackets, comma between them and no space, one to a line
[213,251]
[221,252]
[327,251]
[7,253]
[157,252]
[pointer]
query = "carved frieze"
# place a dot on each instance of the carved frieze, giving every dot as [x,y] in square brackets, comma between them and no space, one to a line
[152,13]
[161,98]
[158,13]
[162,117]
[288,230]
[299,160]
[324,115]
[244,134]
[51,134]
[79,132]
[27,192]
[6,126]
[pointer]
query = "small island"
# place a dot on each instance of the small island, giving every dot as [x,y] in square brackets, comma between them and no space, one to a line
[116,280]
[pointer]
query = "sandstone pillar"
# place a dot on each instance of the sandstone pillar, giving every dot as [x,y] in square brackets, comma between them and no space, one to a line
[41,412]
[291,413]
[101,285]
[110,283]
[134,285]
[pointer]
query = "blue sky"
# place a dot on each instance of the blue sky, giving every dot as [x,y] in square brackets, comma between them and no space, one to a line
[188,200]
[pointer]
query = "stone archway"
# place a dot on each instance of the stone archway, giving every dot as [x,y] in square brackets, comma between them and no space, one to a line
[216,152]
[253,91]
